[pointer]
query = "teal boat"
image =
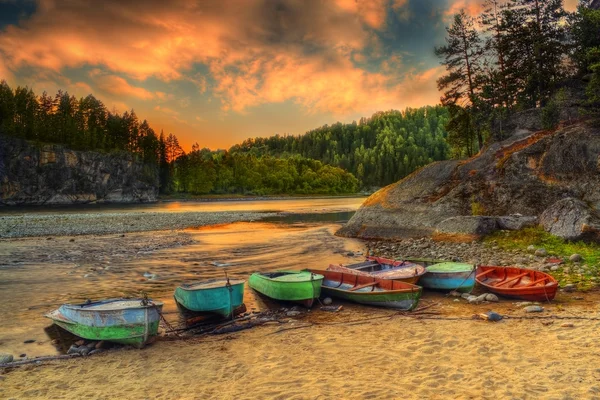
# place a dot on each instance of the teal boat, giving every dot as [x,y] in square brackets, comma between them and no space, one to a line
[126,321]
[449,276]
[299,286]
[370,290]
[219,296]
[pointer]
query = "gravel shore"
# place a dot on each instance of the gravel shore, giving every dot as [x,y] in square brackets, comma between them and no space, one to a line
[122,222]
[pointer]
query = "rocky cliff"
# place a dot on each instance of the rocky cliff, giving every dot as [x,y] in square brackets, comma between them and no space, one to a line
[524,174]
[51,174]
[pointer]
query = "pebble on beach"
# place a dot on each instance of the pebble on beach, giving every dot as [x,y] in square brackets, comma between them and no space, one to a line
[533,309]
[576,258]
[541,252]
[570,287]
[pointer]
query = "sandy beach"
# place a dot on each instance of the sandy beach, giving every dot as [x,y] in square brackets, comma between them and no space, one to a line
[388,358]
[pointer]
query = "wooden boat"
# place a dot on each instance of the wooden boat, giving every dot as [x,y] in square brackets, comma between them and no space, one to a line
[370,290]
[299,286]
[219,296]
[126,321]
[517,283]
[383,268]
[449,276]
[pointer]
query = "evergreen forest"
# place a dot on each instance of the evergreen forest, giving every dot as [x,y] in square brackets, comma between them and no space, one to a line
[516,55]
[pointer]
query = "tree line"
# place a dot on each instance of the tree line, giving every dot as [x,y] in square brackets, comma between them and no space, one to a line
[86,124]
[378,150]
[515,55]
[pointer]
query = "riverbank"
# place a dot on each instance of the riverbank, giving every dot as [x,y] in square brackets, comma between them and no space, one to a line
[242,197]
[121,222]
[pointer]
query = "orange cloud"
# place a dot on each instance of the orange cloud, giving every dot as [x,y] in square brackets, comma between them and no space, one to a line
[255,53]
[5,73]
[118,86]
[472,7]
[571,5]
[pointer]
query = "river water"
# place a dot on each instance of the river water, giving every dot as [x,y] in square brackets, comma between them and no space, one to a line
[39,274]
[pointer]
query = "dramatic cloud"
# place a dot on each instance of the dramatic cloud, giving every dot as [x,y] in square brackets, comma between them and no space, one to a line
[471,7]
[118,86]
[232,58]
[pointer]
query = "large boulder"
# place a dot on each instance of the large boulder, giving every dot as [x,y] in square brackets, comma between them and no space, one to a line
[516,222]
[468,225]
[571,219]
[522,175]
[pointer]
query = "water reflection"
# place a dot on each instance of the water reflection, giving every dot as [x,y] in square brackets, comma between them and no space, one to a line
[296,205]
[38,275]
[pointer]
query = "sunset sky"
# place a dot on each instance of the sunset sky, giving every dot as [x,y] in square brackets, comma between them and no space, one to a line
[217,72]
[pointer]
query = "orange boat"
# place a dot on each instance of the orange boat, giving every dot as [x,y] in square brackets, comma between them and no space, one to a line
[517,283]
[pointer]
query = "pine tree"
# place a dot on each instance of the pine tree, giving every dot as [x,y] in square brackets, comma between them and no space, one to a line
[538,46]
[463,58]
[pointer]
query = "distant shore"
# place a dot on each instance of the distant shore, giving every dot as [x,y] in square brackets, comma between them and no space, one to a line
[219,197]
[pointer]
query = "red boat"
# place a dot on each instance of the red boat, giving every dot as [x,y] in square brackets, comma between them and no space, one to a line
[517,283]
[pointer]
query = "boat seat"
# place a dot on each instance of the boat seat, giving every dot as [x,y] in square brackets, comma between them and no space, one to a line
[363,286]
[514,278]
[536,282]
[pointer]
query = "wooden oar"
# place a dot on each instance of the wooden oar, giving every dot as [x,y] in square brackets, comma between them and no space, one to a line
[511,279]
[363,286]
[484,273]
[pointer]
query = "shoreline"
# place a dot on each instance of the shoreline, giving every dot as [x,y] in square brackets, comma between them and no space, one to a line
[183,199]
[39,225]
[216,198]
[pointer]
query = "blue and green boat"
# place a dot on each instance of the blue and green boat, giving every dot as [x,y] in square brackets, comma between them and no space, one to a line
[449,276]
[219,296]
[127,321]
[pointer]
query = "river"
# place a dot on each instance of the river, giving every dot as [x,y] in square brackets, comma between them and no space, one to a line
[38,274]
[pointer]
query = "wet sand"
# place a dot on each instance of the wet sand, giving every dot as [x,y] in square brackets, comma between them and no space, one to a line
[391,358]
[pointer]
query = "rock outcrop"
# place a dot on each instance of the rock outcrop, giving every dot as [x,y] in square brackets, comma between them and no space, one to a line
[522,175]
[571,219]
[51,174]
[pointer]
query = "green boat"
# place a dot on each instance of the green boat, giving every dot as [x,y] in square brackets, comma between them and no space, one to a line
[370,290]
[449,276]
[219,296]
[126,321]
[299,286]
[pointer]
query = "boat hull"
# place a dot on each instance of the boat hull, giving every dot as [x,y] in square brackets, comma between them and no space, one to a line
[402,301]
[523,288]
[218,300]
[371,291]
[301,290]
[130,326]
[459,281]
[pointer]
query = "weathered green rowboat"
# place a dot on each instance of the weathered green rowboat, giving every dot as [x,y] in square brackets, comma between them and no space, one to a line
[298,286]
[220,296]
[370,290]
[126,321]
